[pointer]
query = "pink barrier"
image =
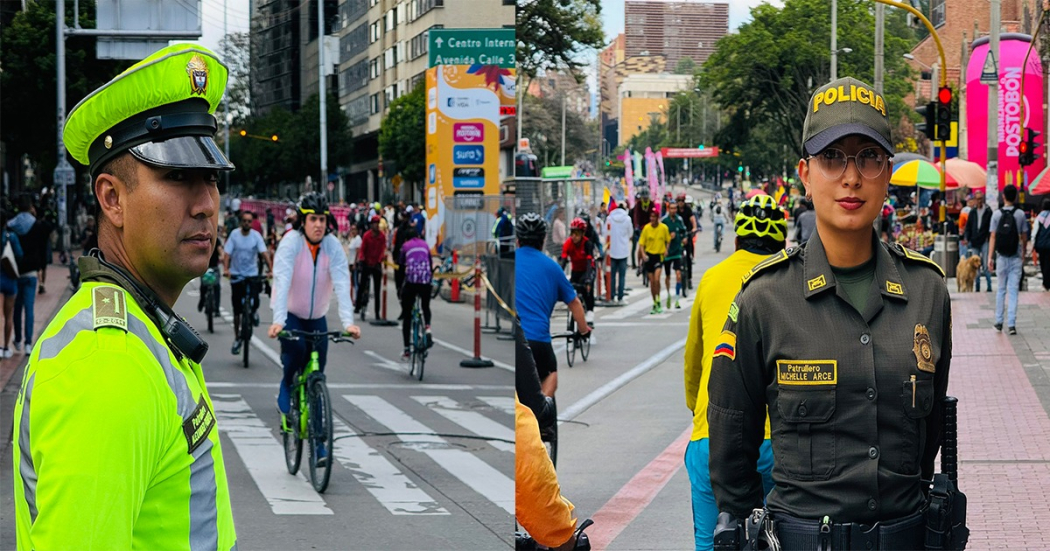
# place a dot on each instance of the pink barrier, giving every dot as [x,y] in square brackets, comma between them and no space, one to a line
[260,208]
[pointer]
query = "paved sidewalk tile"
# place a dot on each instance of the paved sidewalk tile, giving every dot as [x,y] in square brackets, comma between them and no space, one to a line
[45,308]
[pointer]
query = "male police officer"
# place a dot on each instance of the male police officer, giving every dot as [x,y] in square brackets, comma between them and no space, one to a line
[115,442]
[846,342]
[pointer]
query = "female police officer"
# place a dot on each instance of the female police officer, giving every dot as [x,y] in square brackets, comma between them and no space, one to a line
[847,341]
[115,439]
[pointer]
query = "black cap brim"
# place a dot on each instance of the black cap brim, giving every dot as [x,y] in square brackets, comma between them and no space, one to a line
[186,152]
[821,141]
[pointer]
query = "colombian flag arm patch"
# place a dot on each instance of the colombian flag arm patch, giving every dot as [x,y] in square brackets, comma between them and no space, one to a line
[727,346]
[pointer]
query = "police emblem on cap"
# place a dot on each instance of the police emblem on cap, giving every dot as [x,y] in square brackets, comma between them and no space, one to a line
[923,349]
[198,72]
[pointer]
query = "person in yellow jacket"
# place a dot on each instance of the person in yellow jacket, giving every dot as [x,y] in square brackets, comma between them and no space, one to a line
[761,228]
[652,246]
[538,504]
[115,437]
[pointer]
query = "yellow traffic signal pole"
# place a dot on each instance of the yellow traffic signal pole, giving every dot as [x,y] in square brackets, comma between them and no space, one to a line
[944,82]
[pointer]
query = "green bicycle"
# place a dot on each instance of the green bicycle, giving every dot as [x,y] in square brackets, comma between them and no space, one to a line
[418,343]
[310,415]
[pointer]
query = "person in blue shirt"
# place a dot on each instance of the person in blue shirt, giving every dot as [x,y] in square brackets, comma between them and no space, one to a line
[244,248]
[539,283]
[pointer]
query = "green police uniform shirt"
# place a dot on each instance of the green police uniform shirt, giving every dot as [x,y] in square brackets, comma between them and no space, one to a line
[115,443]
[854,398]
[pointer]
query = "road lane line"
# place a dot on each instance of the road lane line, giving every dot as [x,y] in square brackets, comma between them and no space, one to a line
[631,309]
[263,456]
[637,494]
[470,354]
[379,476]
[605,390]
[469,469]
[470,420]
[502,403]
[386,364]
[257,342]
[373,386]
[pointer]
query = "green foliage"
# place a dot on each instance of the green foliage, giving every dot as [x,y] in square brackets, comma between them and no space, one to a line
[27,104]
[685,66]
[262,163]
[402,135]
[552,34]
[541,124]
[765,74]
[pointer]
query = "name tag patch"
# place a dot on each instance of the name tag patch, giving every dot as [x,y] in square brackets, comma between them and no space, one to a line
[807,372]
[199,425]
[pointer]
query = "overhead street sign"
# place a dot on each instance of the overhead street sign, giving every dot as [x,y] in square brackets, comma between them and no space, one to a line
[688,153]
[472,47]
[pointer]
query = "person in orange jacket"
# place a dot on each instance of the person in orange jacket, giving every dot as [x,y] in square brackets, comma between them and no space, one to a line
[539,506]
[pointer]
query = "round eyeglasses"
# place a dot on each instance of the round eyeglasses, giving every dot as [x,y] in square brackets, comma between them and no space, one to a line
[870,161]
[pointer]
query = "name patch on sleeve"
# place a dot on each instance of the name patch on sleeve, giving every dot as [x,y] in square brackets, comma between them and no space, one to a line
[109,307]
[199,425]
[807,372]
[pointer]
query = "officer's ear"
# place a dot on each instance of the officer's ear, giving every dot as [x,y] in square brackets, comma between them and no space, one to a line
[803,175]
[112,186]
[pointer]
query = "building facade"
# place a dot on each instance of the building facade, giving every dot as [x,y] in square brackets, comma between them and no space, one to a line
[644,98]
[675,29]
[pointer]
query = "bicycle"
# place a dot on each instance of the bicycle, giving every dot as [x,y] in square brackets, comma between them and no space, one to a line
[210,290]
[248,313]
[687,262]
[418,343]
[523,542]
[310,414]
[574,340]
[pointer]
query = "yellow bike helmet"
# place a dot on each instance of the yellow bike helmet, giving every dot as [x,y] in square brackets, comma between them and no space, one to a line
[760,216]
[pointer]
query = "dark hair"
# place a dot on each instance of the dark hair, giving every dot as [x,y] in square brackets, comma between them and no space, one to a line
[248,212]
[25,202]
[1010,193]
[409,233]
[1045,204]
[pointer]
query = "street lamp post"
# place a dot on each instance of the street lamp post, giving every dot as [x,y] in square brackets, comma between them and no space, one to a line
[834,40]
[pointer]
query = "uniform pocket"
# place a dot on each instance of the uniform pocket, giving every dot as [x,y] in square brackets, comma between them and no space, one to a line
[805,447]
[916,404]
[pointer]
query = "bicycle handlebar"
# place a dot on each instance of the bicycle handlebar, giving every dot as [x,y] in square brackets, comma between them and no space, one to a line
[296,334]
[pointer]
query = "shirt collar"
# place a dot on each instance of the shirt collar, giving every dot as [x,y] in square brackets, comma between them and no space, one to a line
[819,277]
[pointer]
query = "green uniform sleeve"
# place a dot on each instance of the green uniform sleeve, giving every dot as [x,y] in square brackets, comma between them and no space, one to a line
[737,413]
[96,436]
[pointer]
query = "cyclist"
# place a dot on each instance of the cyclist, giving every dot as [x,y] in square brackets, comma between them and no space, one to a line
[415,261]
[539,284]
[685,210]
[370,261]
[213,264]
[718,218]
[640,216]
[309,266]
[579,250]
[652,246]
[761,229]
[673,261]
[244,250]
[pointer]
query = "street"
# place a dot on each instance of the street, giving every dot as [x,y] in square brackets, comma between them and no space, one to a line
[419,465]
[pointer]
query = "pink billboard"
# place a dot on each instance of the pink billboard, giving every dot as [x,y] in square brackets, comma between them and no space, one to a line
[1012,49]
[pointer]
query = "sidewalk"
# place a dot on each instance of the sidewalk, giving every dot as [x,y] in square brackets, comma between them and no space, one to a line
[46,307]
[1003,386]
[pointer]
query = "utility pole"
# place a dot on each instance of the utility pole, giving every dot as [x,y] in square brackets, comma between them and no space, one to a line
[834,42]
[880,25]
[322,93]
[992,184]
[562,128]
[226,97]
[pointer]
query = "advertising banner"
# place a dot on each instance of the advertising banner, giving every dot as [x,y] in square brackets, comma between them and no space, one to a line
[1016,111]
[462,139]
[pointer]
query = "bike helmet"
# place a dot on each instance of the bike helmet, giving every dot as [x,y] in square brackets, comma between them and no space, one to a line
[312,203]
[531,228]
[578,224]
[375,219]
[644,191]
[681,196]
[760,216]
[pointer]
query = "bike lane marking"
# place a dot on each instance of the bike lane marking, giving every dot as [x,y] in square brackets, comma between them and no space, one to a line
[263,456]
[638,493]
[468,468]
[471,420]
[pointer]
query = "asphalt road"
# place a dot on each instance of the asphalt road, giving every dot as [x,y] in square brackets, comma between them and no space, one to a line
[419,465]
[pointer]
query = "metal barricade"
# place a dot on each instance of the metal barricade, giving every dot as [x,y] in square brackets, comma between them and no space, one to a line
[559,201]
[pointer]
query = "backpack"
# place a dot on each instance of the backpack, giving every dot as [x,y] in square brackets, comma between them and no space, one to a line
[1006,233]
[1042,239]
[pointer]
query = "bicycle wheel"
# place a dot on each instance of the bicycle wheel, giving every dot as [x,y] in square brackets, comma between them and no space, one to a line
[209,309]
[570,341]
[246,332]
[320,434]
[419,344]
[293,445]
[585,346]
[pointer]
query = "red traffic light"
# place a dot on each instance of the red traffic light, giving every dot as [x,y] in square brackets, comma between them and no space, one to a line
[944,95]
[1023,147]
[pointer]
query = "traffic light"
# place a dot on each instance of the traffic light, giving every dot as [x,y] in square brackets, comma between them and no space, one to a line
[701,146]
[740,168]
[1026,149]
[244,133]
[927,111]
[943,129]
[274,137]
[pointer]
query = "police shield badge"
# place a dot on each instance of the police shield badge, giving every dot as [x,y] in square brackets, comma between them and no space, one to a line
[198,72]
[923,349]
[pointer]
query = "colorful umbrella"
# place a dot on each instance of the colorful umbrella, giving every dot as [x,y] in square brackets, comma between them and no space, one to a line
[916,172]
[1040,184]
[963,173]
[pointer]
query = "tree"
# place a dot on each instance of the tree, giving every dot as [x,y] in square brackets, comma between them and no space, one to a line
[552,34]
[235,49]
[30,94]
[402,135]
[685,66]
[766,73]
[542,126]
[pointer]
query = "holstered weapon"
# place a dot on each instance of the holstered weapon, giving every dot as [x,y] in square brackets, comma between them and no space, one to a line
[729,533]
[946,513]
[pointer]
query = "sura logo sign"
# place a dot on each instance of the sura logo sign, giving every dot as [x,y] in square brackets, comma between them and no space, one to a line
[468,154]
[468,132]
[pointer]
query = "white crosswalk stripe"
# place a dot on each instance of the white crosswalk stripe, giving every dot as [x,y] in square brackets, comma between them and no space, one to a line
[379,476]
[263,456]
[470,420]
[502,403]
[468,468]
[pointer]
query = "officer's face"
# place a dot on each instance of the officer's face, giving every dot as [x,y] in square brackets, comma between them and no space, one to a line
[850,202]
[169,220]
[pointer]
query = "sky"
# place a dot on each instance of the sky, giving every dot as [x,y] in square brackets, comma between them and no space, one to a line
[212,19]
